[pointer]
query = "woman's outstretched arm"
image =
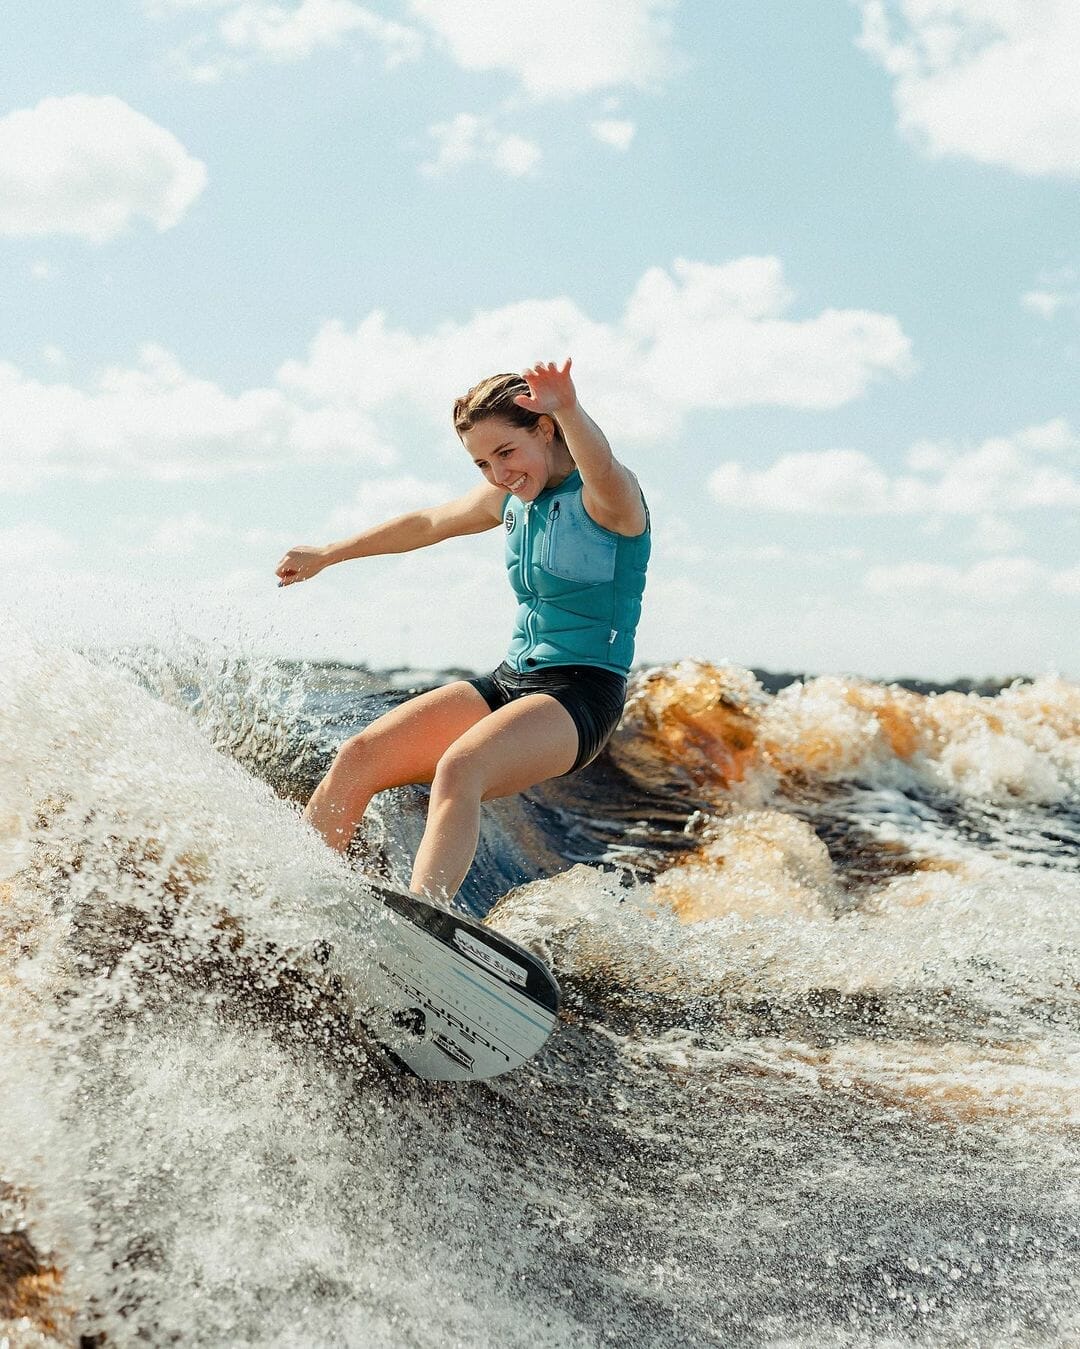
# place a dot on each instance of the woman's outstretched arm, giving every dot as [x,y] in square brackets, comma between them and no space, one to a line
[611,494]
[472,513]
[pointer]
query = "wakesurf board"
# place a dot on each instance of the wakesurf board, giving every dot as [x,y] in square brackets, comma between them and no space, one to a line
[449,996]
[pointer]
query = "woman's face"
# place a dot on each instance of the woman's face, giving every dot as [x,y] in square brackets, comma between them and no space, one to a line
[512,457]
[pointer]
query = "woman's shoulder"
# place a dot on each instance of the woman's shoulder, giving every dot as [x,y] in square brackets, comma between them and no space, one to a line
[617,504]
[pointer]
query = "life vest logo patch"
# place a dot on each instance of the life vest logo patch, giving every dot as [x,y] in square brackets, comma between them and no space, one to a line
[508,521]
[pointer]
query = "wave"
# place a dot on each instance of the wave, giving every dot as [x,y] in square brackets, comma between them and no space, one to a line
[815,1083]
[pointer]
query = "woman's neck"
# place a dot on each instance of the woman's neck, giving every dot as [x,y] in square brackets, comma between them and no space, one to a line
[561,469]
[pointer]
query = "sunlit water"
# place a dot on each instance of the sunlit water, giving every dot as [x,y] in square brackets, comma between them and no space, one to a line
[815,1084]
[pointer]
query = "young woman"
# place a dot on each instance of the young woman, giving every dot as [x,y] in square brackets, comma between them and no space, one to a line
[577,545]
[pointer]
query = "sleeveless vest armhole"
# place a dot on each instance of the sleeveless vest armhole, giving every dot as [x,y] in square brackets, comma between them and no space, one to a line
[604,529]
[632,538]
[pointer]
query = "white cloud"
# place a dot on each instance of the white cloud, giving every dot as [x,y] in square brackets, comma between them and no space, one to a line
[717,337]
[992,534]
[683,616]
[263,538]
[561,49]
[676,541]
[1052,437]
[450,605]
[1045,303]
[1055,289]
[286,34]
[380,499]
[999,475]
[179,536]
[1066,582]
[90,166]
[830,482]
[469,139]
[160,8]
[991,80]
[157,421]
[175,536]
[996,579]
[614,131]
[26,546]
[247,31]
[928,456]
[697,337]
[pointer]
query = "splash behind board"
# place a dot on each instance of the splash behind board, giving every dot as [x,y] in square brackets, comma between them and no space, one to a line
[452,998]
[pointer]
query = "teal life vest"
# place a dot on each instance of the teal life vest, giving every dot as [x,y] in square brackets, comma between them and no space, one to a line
[578,585]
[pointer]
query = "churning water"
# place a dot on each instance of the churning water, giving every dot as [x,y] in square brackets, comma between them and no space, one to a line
[815,1082]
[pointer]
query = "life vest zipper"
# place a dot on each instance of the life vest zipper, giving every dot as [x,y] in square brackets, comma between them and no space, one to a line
[526,564]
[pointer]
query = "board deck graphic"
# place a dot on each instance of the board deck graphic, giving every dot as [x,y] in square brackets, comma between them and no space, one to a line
[452,998]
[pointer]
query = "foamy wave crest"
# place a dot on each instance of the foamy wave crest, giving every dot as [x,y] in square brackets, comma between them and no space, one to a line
[716,727]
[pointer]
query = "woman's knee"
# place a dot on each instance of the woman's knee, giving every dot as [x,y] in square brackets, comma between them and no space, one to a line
[354,758]
[458,773]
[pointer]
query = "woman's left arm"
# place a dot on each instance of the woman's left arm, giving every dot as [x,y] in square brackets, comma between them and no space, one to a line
[611,494]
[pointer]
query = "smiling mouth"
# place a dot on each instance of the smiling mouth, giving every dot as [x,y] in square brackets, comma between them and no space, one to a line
[513,486]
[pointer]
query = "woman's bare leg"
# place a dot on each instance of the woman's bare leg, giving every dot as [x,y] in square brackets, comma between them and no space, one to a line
[526,742]
[403,746]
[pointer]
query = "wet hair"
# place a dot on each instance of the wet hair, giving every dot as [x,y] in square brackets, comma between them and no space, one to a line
[494,397]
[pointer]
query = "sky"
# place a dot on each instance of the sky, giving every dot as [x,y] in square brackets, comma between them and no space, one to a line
[817,265]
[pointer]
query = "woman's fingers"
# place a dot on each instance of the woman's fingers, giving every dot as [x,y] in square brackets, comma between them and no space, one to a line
[298,564]
[543,369]
[549,386]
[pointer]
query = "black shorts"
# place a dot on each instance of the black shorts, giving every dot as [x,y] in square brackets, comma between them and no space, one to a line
[593,697]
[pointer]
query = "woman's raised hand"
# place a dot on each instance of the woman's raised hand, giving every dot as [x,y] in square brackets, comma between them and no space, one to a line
[301,564]
[551,390]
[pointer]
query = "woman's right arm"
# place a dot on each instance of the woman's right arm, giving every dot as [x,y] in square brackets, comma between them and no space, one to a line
[472,513]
